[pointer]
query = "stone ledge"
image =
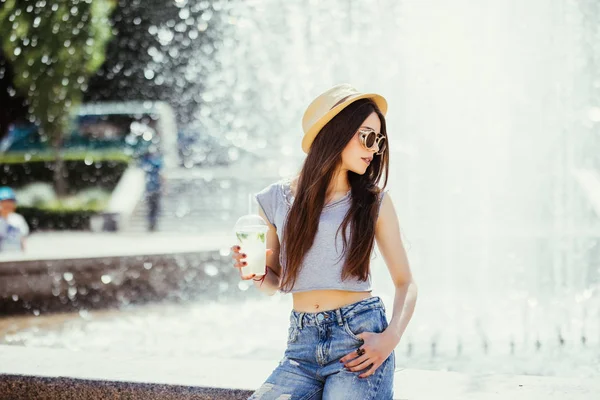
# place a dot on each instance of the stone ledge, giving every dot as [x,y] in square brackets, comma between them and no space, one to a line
[70,272]
[26,373]
[16,387]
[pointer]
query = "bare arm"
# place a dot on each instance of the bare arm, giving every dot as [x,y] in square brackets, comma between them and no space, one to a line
[387,234]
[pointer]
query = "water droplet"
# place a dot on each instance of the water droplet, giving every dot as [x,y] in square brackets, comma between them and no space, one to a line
[17,51]
[184,13]
[67,276]
[211,270]
[147,265]
[106,279]
[202,25]
[207,15]
[182,210]
[15,297]
[165,36]
[233,154]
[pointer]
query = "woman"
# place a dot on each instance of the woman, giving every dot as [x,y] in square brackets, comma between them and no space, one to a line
[340,345]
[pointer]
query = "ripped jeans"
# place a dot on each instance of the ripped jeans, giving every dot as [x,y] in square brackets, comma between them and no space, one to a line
[310,368]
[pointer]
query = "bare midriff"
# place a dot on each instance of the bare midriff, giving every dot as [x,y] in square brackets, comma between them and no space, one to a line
[324,300]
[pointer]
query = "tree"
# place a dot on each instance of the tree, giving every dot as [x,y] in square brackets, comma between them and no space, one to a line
[163,50]
[14,107]
[54,48]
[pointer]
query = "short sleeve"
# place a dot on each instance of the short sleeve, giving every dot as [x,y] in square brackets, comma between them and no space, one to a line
[268,199]
[380,200]
[19,222]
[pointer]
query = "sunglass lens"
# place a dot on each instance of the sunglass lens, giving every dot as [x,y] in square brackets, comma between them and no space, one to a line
[382,146]
[370,139]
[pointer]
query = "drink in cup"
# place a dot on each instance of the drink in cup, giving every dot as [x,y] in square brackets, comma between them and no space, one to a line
[251,232]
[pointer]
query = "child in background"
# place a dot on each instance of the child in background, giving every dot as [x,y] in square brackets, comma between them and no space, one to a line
[13,227]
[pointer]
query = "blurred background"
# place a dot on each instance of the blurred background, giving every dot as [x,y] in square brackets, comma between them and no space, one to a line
[133,134]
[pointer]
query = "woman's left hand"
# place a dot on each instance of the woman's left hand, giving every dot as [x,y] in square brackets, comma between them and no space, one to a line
[376,348]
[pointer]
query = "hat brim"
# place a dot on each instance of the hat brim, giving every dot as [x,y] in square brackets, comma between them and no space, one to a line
[310,135]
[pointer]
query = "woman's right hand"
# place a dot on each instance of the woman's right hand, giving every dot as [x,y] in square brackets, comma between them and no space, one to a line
[239,262]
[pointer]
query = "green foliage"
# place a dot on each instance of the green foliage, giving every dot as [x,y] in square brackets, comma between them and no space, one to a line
[61,205]
[241,236]
[54,48]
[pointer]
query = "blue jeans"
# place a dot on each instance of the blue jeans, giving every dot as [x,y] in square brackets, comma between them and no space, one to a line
[310,368]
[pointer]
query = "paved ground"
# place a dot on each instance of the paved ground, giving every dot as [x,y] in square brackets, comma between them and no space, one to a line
[248,375]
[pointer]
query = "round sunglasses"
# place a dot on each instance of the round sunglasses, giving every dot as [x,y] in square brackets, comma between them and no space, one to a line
[368,138]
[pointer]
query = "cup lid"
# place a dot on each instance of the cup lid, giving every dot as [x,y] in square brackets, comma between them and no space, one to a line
[251,221]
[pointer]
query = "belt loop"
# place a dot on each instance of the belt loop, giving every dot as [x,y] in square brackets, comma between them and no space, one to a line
[300,320]
[338,314]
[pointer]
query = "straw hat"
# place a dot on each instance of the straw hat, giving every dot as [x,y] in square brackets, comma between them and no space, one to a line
[328,104]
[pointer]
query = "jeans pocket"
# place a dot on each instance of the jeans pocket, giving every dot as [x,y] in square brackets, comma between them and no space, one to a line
[384,320]
[350,333]
[370,321]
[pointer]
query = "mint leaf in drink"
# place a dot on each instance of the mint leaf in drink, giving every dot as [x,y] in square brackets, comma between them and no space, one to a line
[261,236]
[241,236]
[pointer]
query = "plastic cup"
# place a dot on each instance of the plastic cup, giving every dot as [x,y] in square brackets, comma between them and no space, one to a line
[251,232]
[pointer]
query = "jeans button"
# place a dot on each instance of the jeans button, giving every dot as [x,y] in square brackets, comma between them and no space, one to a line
[320,317]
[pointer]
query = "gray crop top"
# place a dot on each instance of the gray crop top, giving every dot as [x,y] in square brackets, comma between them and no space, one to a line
[322,264]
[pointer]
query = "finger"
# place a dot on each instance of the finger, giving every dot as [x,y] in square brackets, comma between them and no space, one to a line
[235,248]
[240,264]
[247,277]
[362,366]
[238,256]
[269,252]
[356,361]
[350,356]
[370,372]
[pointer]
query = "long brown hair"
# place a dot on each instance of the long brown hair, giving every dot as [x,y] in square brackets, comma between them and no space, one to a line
[318,169]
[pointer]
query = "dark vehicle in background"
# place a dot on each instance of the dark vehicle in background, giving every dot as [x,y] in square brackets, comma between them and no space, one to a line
[112,127]
[102,150]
